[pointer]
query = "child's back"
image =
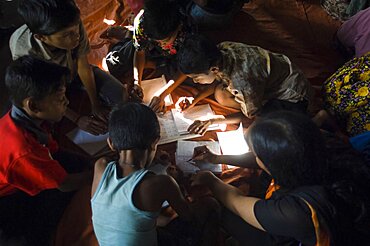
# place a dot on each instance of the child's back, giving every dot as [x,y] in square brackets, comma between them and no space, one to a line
[113,207]
[126,196]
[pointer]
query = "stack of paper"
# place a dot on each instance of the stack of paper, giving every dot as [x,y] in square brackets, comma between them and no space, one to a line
[185,151]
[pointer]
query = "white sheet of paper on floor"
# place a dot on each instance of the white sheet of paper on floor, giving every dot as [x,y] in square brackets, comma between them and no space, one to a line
[90,143]
[233,142]
[185,151]
[200,112]
[154,87]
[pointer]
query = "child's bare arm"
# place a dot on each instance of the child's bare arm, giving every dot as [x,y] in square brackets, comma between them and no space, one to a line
[230,196]
[200,126]
[206,92]
[203,153]
[139,63]
[99,168]
[175,198]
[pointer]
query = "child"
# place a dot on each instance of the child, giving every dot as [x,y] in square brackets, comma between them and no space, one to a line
[159,32]
[30,178]
[54,32]
[317,196]
[251,79]
[127,197]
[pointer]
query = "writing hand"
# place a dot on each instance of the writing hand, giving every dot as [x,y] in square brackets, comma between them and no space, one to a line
[203,153]
[184,103]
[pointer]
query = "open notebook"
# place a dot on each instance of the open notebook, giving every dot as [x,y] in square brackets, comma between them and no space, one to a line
[185,151]
[174,124]
[169,132]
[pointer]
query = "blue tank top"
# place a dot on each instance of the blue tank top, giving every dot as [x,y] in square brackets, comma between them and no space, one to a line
[115,218]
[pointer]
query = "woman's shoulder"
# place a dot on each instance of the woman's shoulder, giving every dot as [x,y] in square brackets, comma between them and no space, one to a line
[286,214]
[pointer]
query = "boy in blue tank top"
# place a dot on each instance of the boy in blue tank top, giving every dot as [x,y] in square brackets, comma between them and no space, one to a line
[127,197]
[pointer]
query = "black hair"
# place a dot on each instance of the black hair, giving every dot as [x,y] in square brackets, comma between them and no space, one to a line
[133,126]
[198,55]
[29,76]
[161,18]
[47,17]
[291,147]
[347,186]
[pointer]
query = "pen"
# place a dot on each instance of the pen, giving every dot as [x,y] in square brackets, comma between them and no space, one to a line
[199,154]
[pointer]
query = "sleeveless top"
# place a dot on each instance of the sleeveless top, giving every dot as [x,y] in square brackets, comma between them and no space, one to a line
[115,218]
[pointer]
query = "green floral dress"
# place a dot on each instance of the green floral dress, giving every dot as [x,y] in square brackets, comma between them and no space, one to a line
[347,94]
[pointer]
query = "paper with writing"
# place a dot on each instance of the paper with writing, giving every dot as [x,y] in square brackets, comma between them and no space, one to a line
[185,151]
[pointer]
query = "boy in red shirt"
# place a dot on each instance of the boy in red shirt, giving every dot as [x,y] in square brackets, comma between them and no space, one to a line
[34,186]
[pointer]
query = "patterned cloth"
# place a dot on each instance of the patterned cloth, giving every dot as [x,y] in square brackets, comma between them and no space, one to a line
[346,95]
[336,8]
[255,76]
[153,47]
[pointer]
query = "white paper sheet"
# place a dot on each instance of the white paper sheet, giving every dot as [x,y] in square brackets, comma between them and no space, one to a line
[91,144]
[154,87]
[185,151]
[233,142]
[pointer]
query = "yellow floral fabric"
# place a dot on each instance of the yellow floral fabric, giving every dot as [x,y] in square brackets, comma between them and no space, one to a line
[347,94]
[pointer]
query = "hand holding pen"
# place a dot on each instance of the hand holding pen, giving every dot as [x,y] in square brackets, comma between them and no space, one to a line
[203,153]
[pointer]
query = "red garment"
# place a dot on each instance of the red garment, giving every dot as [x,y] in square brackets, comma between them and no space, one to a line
[25,164]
